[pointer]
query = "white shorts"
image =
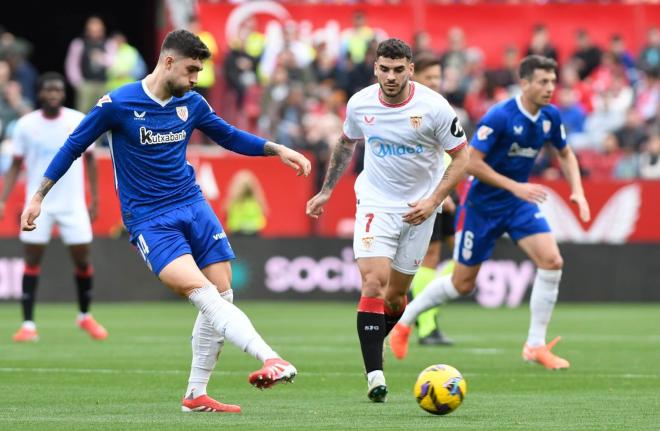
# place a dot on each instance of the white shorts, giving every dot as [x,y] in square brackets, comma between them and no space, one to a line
[385,234]
[74,225]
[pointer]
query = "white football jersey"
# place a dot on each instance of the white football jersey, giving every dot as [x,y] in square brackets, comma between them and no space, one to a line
[37,139]
[404,145]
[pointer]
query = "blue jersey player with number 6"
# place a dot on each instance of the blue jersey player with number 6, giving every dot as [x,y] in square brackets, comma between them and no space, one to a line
[500,200]
[149,124]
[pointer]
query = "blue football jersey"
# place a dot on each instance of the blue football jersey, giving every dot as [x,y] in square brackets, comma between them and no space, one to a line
[148,139]
[511,138]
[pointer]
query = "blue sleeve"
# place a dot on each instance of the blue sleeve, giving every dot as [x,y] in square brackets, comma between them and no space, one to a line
[226,135]
[99,120]
[558,133]
[488,131]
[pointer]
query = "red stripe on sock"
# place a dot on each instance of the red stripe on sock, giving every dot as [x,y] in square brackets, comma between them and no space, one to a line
[371,305]
[392,313]
[33,270]
[85,273]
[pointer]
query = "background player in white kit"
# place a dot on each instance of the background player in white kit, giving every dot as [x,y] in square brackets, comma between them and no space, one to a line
[37,137]
[406,128]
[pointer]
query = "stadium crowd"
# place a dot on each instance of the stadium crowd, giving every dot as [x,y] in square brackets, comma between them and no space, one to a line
[293,89]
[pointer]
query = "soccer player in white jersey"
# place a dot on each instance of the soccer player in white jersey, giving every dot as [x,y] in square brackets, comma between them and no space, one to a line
[37,137]
[406,128]
[500,200]
[171,225]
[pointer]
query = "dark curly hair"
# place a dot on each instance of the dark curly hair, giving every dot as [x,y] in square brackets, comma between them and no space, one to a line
[394,48]
[187,44]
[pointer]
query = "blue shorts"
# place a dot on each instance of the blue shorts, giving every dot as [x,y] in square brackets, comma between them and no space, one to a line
[191,229]
[477,231]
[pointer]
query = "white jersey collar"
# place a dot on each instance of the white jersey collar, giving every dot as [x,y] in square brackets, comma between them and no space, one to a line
[152,97]
[525,112]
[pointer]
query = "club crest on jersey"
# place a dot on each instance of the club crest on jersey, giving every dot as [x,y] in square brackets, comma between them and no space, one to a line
[102,100]
[182,112]
[369,120]
[484,132]
[367,243]
[416,121]
[546,126]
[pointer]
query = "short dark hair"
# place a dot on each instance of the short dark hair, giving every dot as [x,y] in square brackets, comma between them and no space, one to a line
[424,60]
[394,48]
[533,62]
[48,77]
[187,44]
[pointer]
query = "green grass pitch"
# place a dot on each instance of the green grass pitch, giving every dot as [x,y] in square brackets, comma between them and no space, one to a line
[136,378]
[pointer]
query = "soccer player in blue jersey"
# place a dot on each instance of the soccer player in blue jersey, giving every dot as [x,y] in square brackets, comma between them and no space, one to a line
[500,200]
[181,240]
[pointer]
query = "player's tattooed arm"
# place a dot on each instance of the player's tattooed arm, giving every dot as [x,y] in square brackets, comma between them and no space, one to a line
[339,160]
[44,187]
[271,149]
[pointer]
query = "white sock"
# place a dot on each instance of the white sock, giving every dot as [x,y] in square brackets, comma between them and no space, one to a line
[207,345]
[541,304]
[231,322]
[435,293]
[29,324]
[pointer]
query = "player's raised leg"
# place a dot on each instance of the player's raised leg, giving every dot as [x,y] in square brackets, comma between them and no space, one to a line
[542,249]
[207,344]
[441,290]
[371,324]
[84,277]
[183,277]
[33,254]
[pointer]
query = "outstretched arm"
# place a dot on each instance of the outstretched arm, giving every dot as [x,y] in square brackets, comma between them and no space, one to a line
[424,208]
[571,169]
[289,157]
[339,160]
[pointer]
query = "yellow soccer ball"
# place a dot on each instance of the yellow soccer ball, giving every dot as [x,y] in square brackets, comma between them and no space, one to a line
[440,389]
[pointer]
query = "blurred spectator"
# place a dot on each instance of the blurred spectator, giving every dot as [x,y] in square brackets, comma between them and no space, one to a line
[627,168]
[356,39]
[572,115]
[127,65]
[540,43]
[285,48]
[13,104]
[15,51]
[649,57]
[600,165]
[649,160]
[632,134]
[570,80]
[289,119]
[240,71]
[246,205]
[587,55]
[206,77]
[507,75]
[455,55]
[647,104]
[623,57]
[421,43]
[602,76]
[323,127]
[610,108]
[87,62]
